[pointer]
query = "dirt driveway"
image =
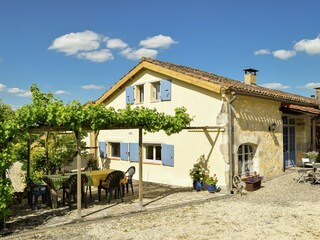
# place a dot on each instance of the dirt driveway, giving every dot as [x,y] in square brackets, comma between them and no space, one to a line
[281,209]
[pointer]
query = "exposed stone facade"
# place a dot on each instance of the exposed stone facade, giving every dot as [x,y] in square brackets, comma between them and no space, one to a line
[252,118]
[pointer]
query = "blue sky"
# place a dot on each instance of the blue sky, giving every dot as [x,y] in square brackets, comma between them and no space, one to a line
[78,49]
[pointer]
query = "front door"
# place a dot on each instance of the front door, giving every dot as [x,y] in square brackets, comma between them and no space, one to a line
[289,142]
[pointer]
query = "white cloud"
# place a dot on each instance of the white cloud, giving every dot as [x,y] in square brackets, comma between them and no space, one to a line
[24,94]
[284,54]
[72,43]
[138,54]
[262,52]
[96,56]
[158,41]
[20,92]
[311,85]
[310,46]
[92,86]
[15,90]
[60,92]
[86,45]
[116,43]
[2,87]
[275,86]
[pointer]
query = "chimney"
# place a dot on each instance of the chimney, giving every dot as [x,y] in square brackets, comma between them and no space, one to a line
[317,93]
[250,76]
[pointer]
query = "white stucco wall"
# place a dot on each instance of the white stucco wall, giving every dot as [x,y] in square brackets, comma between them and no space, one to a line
[189,145]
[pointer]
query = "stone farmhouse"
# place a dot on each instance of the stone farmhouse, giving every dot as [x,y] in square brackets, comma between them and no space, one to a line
[239,127]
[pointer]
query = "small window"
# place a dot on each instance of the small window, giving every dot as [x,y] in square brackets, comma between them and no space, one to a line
[245,156]
[153,152]
[139,93]
[155,91]
[115,149]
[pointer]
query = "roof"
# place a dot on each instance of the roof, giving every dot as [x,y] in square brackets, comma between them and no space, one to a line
[210,81]
[302,109]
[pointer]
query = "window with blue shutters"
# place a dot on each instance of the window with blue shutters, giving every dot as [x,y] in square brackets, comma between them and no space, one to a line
[167,153]
[155,91]
[130,95]
[165,89]
[114,149]
[153,152]
[139,93]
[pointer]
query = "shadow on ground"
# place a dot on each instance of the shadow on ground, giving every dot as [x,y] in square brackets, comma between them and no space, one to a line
[24,218]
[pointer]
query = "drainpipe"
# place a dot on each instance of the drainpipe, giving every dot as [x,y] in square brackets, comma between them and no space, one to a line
[230,138]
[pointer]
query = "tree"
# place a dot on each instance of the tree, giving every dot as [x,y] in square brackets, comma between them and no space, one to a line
[8,132]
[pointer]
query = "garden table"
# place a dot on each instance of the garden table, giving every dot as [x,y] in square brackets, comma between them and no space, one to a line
[55,182]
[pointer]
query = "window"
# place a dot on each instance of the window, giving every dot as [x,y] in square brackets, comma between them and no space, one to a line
[139,93]
[115,149]
[155,91]
[245,156]
[153,152]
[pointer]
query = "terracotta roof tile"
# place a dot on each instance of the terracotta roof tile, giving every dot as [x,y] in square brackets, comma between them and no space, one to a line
[235,85]
[301,108]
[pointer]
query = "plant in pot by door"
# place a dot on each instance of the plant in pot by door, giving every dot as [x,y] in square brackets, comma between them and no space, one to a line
[197,174]
[312,155]
[211,182]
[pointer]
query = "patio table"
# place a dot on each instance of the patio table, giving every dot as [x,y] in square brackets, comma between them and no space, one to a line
[55,182]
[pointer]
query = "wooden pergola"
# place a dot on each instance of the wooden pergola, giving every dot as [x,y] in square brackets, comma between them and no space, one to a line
[78,137]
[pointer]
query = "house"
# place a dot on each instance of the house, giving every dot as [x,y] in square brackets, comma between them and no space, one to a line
[238,126]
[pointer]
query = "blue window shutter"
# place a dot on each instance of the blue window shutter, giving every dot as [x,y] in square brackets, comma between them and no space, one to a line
[134,152]
[165,88]
[124,151]
[103,149]
[167,154]
[130,95]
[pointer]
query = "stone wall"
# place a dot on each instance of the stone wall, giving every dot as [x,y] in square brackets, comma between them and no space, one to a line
[252,118]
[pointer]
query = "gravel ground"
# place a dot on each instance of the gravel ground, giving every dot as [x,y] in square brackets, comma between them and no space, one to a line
[281,209]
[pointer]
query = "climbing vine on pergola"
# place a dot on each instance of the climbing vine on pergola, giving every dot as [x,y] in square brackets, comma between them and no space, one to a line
[46,113]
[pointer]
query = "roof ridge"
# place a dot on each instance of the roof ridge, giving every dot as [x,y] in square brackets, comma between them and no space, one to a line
[232,84]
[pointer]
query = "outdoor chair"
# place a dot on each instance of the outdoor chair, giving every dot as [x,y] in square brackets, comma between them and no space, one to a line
[303,175]
[112,182]
[129,173]
[69,189]
[306,162]
[35,190]
[316,173]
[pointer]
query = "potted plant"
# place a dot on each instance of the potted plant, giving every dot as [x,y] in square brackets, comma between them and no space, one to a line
[211,182]
[253,182]
[197,174]
[312,155]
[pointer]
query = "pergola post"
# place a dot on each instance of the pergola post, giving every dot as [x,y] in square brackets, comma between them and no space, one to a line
[140,170]
[77,133]
[29,152]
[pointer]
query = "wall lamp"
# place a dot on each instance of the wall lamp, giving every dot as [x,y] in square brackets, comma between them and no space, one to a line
[272,127]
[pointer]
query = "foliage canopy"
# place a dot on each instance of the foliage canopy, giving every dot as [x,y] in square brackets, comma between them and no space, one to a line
[47,113]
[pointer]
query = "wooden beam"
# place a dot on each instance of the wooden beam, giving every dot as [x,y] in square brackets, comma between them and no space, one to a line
[78,175]
[28,160]
[140,170]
